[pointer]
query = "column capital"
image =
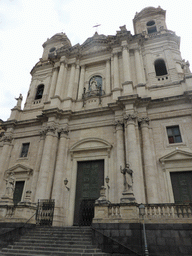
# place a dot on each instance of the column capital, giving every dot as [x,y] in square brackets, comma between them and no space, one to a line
[119,124]
[50,130]
[64,131]
[125,47]
[144,121]
[7,139]
[129,119]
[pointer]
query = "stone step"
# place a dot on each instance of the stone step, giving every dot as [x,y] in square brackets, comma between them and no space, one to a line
[59,235]
[48,252]
[56,241]
[50,249]
[74,245]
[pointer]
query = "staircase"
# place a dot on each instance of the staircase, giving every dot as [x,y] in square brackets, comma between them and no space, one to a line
[42,241]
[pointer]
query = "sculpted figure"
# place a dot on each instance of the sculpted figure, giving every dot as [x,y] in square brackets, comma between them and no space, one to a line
[128,181]
[93,84]
[19,100]
[10,186]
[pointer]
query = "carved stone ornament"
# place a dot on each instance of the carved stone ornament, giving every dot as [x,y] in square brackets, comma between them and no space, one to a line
[144,120]
[7,138]
[64,130]
[130,117]
[119,123]
[50,129]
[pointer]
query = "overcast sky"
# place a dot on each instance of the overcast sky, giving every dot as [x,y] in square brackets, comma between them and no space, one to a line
[26,24]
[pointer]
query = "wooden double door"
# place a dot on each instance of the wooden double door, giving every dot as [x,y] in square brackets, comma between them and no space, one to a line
[90,178]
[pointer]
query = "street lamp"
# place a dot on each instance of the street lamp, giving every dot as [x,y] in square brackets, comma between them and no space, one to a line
[65,183]
[142,213]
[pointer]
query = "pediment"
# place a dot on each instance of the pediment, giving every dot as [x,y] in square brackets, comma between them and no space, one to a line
[90,144]
[19,170]
[94,49]
[176,155]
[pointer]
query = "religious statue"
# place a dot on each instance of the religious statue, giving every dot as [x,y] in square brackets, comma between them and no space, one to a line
[93,85]
[128,181]
[10,186]
[19,100]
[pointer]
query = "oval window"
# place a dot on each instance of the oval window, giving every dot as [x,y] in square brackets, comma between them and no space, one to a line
[150,23]
[52,49]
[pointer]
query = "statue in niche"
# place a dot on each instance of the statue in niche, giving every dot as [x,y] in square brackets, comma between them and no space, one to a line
[93,85]
[10,186]
[19,100]
[128,179]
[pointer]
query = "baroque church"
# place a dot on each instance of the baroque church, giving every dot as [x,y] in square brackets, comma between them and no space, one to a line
[106,126]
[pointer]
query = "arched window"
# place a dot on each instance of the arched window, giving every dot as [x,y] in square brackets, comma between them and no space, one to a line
[95,83]
[160,67]
[39,93]
[151,27]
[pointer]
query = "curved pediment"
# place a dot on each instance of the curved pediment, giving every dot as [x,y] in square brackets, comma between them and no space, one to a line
[19,170]
[90,144]
[176,155]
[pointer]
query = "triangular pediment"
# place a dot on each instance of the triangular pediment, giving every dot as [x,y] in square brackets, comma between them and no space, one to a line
[19,170]
[94,49]
[176,155]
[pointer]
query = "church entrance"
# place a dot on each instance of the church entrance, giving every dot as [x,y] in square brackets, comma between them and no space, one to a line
[90,178]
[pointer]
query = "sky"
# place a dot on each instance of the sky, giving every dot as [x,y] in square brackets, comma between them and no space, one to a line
[26,24]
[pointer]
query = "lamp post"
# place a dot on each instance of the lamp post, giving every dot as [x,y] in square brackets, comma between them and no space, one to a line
[142,213]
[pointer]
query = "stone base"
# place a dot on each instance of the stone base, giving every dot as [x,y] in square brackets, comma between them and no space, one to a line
[128,197]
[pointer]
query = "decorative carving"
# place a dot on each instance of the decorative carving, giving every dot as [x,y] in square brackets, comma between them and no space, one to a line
[144,120]
[10,186]
[64,131]
[119,124]
[102,199]
[125,47]
[50,129]
[129,118]
[7,138]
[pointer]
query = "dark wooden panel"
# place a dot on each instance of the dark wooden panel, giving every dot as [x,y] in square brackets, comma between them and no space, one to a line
[90,178]
[18,191]
[182,186]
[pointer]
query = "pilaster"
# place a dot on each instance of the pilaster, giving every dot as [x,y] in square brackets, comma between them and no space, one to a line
[149,167]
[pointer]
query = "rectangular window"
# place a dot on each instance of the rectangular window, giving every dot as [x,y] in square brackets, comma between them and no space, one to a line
[174,135]
[24,150]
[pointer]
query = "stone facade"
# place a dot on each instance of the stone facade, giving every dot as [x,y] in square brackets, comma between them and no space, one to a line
[114,98]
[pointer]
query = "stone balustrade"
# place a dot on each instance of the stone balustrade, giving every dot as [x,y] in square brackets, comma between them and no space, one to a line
[154,213]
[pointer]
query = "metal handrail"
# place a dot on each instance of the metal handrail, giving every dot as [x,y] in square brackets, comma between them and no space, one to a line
[116,241]
[22,226]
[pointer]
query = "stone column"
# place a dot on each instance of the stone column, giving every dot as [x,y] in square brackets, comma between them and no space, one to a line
[139,68]
[4,159]
[126,64]
[76,81]
[116,71]
[60,79]
[149,166]
[81,82]
[37,164]
[64,87]
[43,190]
[120,157]
[132,155]
[108,75]
[71,81]
[60,171]
[53,82]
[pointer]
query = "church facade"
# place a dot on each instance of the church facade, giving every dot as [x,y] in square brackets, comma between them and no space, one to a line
[114,112]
